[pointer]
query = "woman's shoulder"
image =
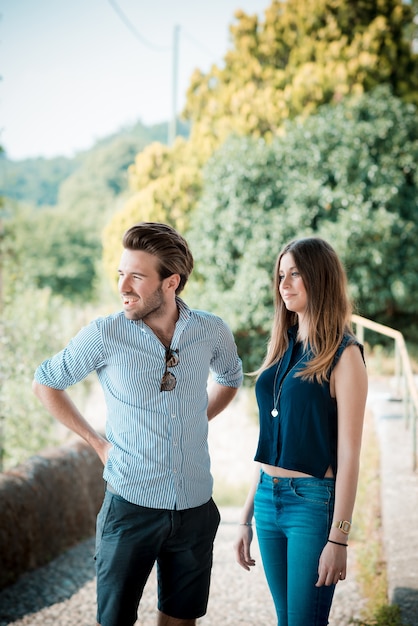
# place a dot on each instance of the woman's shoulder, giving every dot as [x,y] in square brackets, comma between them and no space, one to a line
[348,339]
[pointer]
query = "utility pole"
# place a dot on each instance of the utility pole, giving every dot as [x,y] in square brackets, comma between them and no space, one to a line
[172,130]
[2,416]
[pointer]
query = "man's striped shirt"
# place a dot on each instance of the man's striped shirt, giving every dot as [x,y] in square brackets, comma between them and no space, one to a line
[160,456]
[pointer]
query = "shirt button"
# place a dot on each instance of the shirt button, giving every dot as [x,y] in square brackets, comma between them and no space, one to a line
[173,415]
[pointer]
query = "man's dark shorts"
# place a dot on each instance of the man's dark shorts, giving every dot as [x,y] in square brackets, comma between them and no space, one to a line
[131,538]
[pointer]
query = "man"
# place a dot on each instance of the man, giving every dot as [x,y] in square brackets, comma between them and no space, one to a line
[153,361]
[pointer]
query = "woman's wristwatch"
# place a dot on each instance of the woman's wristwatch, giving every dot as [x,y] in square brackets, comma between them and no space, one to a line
[344,526]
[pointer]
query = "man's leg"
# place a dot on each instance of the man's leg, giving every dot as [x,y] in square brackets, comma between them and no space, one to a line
[166,620]
[184,565]
[129,538]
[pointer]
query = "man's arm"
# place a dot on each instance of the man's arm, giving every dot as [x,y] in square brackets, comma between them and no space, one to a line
[219,397]
[59,404]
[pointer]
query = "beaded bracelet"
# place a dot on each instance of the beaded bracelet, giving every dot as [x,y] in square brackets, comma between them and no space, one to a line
[337,543]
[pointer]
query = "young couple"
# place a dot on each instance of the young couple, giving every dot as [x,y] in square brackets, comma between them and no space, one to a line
[153,360]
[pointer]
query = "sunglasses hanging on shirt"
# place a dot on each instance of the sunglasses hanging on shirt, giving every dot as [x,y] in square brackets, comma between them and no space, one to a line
[169,381]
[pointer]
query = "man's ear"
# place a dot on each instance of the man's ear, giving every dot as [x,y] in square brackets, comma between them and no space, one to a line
[173,281]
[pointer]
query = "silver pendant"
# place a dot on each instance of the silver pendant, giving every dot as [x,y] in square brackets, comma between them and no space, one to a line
[274,413]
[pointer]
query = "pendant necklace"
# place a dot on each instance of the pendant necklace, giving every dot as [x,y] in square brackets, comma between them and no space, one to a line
[274,412]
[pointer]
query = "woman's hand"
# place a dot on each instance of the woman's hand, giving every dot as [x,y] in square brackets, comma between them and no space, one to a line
[332,565]
[242,547]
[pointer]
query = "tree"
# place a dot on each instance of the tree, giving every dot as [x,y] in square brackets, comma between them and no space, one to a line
[348,174]
[165,184]
[303,54]
[60,246]
[50,248]
[33,324]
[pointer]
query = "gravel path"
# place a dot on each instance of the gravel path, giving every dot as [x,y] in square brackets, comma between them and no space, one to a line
[63,592]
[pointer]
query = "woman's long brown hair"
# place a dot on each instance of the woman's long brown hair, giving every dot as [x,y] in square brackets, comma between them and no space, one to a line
[328,313]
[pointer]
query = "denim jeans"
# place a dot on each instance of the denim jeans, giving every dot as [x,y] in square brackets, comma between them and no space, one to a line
[293,517]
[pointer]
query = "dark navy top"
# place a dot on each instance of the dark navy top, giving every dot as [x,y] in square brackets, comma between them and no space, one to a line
[303,436]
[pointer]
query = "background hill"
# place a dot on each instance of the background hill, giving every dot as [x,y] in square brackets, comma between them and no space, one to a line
[37,181]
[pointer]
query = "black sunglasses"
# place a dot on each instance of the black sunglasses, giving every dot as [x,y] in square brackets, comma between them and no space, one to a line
[168,381]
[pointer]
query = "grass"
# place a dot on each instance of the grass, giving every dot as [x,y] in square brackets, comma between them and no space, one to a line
[367,535]
[385,616]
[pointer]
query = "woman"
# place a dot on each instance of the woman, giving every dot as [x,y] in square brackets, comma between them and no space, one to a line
[311,392]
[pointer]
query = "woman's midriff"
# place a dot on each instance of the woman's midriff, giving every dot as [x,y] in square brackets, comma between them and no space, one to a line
[281,472]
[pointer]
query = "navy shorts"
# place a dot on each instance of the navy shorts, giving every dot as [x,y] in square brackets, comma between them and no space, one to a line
[130,539]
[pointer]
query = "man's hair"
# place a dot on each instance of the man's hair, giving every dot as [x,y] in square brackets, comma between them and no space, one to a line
[165,243]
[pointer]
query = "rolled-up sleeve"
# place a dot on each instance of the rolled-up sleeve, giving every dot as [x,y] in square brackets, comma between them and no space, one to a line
[226,365]
[82,355]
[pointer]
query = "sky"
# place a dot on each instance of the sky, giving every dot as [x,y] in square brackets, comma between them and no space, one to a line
[74,71]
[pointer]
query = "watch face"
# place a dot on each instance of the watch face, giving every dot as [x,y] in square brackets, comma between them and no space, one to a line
[344,526]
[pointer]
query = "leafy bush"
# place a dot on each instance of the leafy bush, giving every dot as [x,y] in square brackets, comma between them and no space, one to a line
[348,174]
[31,327]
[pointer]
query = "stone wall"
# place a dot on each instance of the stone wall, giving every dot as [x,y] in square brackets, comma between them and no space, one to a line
[47,505]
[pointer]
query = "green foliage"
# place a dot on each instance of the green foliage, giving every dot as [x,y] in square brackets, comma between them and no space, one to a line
[302,55]
[387,615]
[367,537]
[103,168]
[348,174]
[50,248]
[32,325]
[60,247]
[34,180]
[103,172]
[165,184]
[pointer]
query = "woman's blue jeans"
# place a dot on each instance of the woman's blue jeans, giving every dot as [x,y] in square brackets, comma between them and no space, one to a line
[293,517]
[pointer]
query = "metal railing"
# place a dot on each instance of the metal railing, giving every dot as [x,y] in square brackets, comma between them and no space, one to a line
[404,379]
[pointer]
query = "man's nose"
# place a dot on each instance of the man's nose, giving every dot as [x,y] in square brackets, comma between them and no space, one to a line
[124,285]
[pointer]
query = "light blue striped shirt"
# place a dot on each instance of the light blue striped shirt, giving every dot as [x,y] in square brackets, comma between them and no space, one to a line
[160,456]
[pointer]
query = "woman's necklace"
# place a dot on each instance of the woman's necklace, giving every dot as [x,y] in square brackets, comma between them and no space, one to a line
[274,412]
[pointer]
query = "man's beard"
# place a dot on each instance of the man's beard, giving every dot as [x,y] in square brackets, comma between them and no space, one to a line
[153,306]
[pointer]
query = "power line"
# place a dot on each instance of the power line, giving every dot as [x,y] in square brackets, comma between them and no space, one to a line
[134,31]
[149,44]
[199,45]
[174,48]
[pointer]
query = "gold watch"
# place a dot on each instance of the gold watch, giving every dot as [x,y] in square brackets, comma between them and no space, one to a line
[344,526]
